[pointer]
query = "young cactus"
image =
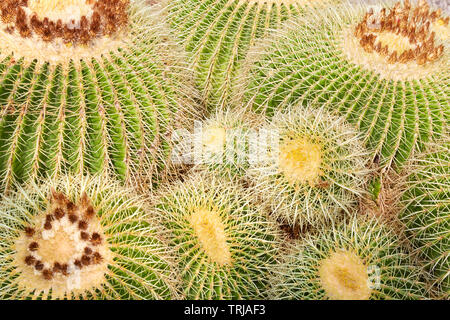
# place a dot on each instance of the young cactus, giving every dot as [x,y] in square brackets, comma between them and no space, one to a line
[217,34]
[85,86]
[386,71]
[359,260]
[221,143]
[226,244]
[312,168]
[82,238]
[427,213]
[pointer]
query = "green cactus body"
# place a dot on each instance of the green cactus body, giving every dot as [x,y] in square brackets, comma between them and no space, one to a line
[396,91]
[225,243]
[218,34]
[359,260]
[82,239]
[223,143]
[427,213]
[311,168]
[104,106]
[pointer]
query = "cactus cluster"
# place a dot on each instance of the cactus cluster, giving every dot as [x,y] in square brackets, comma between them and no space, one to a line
[358,260]
[217,34]
[317,166]
[82,238]
[387,72]
[226,245]
[103,102]
[427,212]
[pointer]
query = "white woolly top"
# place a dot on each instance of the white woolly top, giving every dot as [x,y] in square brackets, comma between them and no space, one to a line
[66,10]
[396,71]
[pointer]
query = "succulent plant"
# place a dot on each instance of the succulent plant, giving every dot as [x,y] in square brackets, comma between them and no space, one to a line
[225,243]
[82,238]
[85,86]
[427,212]
[223,143]
[218,34]
[312,168]
[387,72]
[357,260]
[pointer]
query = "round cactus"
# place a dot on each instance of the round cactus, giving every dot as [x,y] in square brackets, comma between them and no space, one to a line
[359,260]
[427,212]
[384,70]
[313,166]
[218,34]
[222,143]
[85,86]
[226,244]
[82,238]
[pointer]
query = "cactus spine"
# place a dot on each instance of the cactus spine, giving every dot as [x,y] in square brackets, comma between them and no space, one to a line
[218,33]
[222,143]
[387,72]
[427,212]
[82,238]
[226,244]
[313,168]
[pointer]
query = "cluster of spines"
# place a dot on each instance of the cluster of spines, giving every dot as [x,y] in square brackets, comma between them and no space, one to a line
[108,17]
[304,63]
[389,268]
[426,212]
[218,35]
[64,206]
[411,23]
[317,172]
[237,132]
[109,114]
[238,246]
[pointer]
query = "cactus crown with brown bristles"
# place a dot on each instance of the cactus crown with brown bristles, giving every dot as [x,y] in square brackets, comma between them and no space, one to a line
[63,248]
[83,237]
[412,26]
[73,21]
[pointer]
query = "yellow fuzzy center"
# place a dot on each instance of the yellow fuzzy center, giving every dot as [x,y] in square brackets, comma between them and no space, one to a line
[214,139]
[344,276]
[63,250]
[61,9]
[51,5]
[62,31]
[300,160]
[404,34]
[395,42]
[59,248]
[210,231]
